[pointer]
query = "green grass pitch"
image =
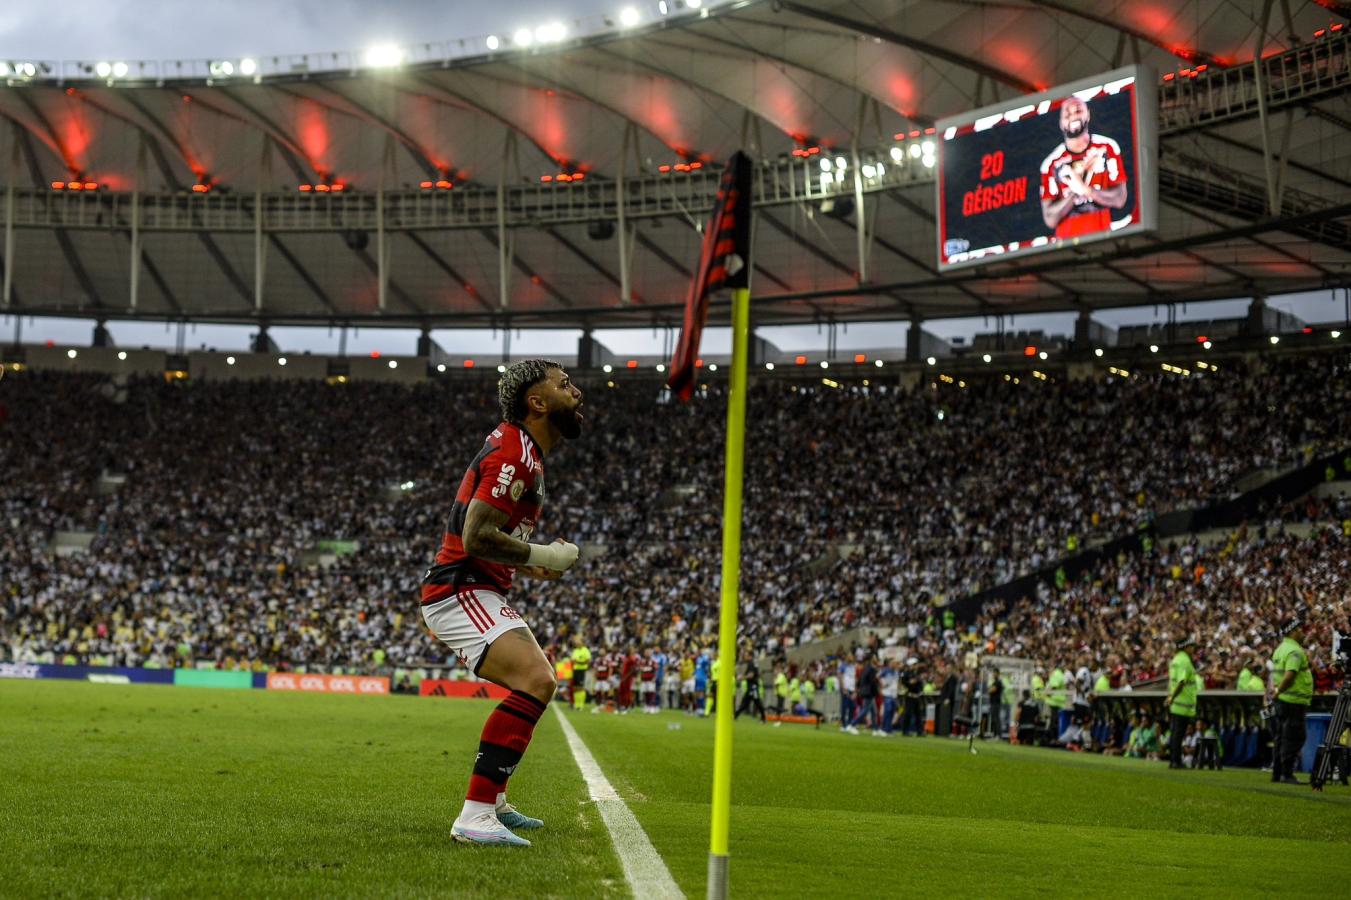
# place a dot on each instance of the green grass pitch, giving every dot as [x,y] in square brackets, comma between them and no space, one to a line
[169,792]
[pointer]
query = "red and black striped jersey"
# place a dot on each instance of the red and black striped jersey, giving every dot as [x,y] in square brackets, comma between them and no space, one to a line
[507,474]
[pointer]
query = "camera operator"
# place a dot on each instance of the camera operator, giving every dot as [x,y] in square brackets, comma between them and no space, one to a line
[1293,692]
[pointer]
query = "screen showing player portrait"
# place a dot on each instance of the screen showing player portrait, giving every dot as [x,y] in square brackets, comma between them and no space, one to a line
[1073,164]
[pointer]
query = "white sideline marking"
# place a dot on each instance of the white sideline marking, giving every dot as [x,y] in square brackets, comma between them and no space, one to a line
[645,871]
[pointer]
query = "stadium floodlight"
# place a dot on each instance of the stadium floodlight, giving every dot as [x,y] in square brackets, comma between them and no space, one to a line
[663,7]
[122,355]
[393,363]
[220,68]
[897,154]
[928,162]
[441,367]
[1335,334]
[694,4]
[1097,351]
[523,37]
[119,70]
[1206,344]
[501,369]
[281,360]
[824,364]
[629,16]
[1042,355]
[869,171]
[769,366]
[1153,348]
[841,163]
[229,360]
[661,367]
[248,66]
[1275,339]
[607,368]
[927,148]
[382,56]
[931,361]
[878,363]
[4,69]
[72,354]
[825,164]
[915,151]
[551,33]
[493,42]
[986,358]
[103,69]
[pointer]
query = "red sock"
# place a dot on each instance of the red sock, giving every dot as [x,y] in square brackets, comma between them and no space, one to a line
[506,734]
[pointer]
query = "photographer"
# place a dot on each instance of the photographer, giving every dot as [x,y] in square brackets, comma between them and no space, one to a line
[1294,693]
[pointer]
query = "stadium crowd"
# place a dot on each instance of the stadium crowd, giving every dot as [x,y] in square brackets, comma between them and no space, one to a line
[207,551]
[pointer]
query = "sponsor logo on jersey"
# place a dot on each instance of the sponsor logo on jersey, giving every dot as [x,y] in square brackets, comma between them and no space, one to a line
[517,489]
[504,478]
[507,612]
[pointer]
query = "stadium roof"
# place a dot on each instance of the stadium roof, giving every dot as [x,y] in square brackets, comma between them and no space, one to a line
[334,152]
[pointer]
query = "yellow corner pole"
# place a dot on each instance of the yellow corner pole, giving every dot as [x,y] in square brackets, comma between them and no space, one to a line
[731,574]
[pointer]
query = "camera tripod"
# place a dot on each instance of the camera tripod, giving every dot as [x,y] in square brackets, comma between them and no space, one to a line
[1333,752]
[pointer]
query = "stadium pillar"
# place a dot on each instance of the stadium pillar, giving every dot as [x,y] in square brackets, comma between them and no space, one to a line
[102,336]
[260,245]
[621,196]
[914,340]
[8,289]
[381,263]
[731,576]
[1257,316]
[134,288]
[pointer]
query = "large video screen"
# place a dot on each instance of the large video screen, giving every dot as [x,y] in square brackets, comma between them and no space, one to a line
[1064,167]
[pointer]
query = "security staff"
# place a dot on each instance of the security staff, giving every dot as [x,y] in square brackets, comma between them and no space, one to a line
[1294,693]
[581,661]
[1182,686]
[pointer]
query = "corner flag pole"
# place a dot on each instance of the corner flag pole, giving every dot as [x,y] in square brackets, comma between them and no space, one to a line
[731,574]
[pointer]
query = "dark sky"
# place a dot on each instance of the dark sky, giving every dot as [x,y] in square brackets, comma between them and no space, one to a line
[204,29]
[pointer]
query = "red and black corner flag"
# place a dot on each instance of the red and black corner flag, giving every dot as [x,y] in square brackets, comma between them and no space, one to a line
[724,262]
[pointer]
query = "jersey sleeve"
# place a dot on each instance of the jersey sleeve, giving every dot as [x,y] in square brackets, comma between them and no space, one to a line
[1050,188]
[1114,168]
[502,480]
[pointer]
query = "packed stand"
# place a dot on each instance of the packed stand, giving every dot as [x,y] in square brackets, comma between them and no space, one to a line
[206,552]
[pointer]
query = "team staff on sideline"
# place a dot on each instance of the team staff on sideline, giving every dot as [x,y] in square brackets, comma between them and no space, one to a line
[1294,693]
[464,594]
[1182,688]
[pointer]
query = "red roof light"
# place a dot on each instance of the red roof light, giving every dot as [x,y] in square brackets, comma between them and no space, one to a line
[306,188]
[469,364]
[1029,351]
[58,185]
[860,358]
[801,360]
[425,185]
[632,364]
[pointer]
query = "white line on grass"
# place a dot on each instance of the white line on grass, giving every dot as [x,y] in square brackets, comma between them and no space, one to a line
[645,870]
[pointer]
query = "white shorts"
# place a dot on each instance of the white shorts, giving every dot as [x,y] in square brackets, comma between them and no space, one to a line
[602,684]
[648,687]
[687,686]
[470,621]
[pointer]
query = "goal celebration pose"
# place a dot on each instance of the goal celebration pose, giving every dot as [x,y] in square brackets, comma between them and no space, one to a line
[464,595]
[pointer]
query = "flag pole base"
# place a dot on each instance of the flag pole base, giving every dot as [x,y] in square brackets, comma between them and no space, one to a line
[717,876]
